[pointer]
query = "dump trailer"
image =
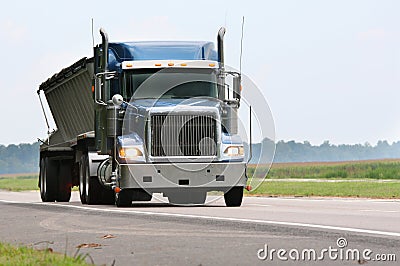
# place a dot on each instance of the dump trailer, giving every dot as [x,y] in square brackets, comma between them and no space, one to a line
[140,118]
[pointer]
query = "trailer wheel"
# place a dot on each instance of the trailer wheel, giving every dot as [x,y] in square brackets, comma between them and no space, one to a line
[64,181]
[123,198]
[48,180]
[234,197]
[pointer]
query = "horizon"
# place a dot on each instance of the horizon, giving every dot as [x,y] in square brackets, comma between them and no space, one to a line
[366,143]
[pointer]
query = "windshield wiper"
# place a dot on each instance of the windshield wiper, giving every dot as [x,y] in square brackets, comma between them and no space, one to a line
[181,97]
[145,98]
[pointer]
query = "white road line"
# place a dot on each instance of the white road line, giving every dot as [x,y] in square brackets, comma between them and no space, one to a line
[378,211]
[309,199]
[255,204]
[126,211]
[13,201]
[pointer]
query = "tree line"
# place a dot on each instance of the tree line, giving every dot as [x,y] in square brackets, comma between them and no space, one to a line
[21,158]
[291,151]
[24,158]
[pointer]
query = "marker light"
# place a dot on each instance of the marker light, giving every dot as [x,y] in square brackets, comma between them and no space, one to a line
[234,151]
[212,65]
[157,64]
[129,65]
[170,64]
[183,64]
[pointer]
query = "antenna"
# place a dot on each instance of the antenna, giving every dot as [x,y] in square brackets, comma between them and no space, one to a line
[226,14]
[241,47]
[92,34]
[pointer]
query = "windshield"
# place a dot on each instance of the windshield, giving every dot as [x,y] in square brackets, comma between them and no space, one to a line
[170,83]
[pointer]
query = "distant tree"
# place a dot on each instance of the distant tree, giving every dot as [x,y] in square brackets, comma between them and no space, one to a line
[292,151]
[21,158]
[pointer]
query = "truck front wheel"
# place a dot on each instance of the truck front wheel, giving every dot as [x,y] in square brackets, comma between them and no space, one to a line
[124,198]
[139,194]
[48,180]
[234,197]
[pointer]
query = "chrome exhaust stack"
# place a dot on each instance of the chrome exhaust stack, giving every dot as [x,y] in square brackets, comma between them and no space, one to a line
[220,43]
[104,39]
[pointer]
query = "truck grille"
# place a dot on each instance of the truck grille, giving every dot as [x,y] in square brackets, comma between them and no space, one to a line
[183,135]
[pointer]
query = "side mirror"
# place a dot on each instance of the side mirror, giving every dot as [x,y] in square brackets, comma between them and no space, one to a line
[237,87]
[117,100]
[101,82]
[97,90]
[111,76]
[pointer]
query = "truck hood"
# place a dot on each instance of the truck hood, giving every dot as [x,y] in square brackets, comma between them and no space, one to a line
[145,106]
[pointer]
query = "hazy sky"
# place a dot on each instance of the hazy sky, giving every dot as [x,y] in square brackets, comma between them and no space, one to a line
[330,70]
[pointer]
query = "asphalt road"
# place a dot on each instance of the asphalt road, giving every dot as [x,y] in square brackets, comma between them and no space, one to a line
[159,234]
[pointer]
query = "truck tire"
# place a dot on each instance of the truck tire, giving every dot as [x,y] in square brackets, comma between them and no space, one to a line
[234,197]
[82,180]
[187,197]
[141,195]
[64,181]
[48,179]
[108,197]
[93,191]
[124,198]
[90,189]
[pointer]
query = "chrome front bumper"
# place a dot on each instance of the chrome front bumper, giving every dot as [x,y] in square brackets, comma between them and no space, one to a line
[161,177]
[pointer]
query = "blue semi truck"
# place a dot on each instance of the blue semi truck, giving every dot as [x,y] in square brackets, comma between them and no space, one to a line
[140,118]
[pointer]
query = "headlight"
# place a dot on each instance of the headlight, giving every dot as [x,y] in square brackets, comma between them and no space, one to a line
[234,151]
[130,148]
[130,153]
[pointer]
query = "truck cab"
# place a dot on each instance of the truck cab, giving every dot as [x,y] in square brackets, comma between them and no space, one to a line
[164,121]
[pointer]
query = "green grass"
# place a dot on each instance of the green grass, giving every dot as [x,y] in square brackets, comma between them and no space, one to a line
[19,183]
[363,189]
[378,169]
[365,177]
[10,255]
